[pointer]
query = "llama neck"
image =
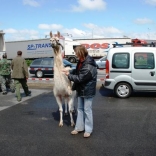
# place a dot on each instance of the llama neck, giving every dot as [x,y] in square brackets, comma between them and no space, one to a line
[58,61]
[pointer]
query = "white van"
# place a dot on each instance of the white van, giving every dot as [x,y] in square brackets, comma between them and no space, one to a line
[130,69]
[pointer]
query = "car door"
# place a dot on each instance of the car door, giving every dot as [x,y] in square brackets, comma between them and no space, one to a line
[103,62]
[143,70]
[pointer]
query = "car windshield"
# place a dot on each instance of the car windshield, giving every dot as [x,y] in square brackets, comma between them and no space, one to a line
[66,62]
[36,62]
[103,58]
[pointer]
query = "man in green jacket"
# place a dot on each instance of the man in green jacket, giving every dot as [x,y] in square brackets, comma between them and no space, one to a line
[5,75]
[20,75]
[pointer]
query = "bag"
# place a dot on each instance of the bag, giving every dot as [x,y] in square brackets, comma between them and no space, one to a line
[74,86]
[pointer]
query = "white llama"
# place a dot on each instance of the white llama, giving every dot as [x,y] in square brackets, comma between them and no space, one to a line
[62,85]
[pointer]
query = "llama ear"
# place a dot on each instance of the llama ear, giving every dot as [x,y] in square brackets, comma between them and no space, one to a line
[51,35]
[58,34]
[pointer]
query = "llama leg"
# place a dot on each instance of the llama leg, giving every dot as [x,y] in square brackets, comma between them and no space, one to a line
[59,101]
[71,108]
[66,106]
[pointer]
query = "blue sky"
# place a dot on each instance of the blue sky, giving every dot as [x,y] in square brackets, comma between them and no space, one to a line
[31,19]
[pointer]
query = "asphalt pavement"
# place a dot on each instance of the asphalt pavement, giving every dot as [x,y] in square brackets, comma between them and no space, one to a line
[122,127]
[10,99]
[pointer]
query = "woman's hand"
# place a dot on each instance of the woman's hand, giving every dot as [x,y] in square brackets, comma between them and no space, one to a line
[66,72]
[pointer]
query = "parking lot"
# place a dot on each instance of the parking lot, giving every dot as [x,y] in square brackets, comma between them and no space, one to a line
[122,127]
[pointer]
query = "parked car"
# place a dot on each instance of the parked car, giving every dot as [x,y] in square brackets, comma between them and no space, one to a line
[45,66]
[101,63]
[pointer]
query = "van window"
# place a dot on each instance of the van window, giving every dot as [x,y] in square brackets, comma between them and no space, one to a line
[120,60]
[144,61]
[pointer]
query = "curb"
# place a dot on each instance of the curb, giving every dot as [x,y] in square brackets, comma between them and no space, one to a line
[45,83]
[50,79]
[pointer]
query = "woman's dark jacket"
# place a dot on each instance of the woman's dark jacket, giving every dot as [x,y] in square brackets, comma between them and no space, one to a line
[85,78]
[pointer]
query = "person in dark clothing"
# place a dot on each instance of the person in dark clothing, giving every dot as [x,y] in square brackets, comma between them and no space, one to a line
[84,79]
[20,75]
[5,75]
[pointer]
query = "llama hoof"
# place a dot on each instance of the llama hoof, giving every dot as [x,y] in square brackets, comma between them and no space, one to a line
[72,124]
[65,114]
[60,124]
[73,111]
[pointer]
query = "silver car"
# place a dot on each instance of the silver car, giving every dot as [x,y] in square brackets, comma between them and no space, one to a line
[101,63]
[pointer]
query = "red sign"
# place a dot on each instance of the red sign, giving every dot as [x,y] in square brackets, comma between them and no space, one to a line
[96,45]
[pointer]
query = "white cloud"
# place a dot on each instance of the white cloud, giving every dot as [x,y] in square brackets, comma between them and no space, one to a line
[144,35]
[74,32]
[143,21]
[93,31]
[24,31]
[11,31]
[13,34]
[103,31]
[89,5]
[90,30]
[31,3]
[50,26]
[151,2]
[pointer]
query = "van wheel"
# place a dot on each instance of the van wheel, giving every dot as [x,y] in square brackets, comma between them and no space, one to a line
[123,90]
[39,74]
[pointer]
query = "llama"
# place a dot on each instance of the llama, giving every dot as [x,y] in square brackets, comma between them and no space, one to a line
[62,85]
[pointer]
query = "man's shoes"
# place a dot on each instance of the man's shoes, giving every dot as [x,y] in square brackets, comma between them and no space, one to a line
[19,100]
[29,93]
[4,93]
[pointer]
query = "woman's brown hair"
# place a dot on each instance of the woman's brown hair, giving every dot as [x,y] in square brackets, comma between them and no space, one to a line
[81,51]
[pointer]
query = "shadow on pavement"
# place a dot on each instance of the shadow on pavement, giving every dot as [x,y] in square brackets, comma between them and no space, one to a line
[109,93]
[66,118]
[106,92]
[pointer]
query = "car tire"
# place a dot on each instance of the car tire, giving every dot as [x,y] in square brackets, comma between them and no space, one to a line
[39,74]
[72,60]
[123,90]
[97,66]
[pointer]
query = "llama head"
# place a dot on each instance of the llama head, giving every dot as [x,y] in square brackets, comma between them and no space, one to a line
[55,42]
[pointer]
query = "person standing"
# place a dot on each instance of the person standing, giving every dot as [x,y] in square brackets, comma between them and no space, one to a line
[20,75]
[84,78]
[5,75]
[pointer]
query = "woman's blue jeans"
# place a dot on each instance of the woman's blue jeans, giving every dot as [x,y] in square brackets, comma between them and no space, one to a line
[85,116]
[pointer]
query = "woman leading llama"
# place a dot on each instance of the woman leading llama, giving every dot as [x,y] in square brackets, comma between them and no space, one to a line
[84,78]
